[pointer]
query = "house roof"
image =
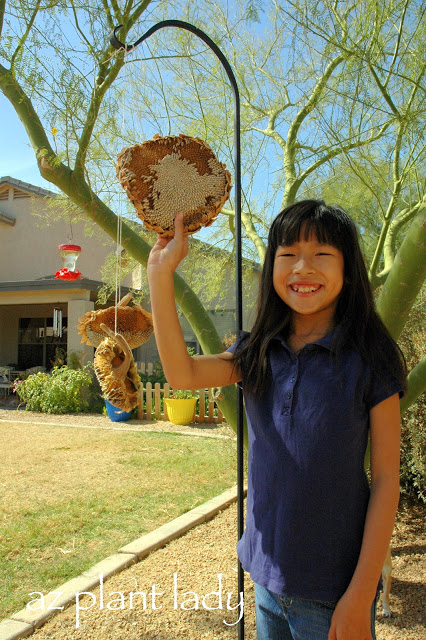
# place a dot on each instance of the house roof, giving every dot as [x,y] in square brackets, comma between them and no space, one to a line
[45,284]
[26,186]
[52,284]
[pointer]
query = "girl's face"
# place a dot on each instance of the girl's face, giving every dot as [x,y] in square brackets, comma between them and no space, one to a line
[308,276]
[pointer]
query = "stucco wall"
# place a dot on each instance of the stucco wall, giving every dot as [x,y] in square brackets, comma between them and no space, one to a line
[29,251]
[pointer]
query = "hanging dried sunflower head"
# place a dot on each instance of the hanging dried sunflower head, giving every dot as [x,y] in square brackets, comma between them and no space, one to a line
[116,371]
[133,323]
[173,174]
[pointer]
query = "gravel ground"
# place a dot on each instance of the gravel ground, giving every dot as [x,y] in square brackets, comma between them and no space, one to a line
[175,581]
[188,569]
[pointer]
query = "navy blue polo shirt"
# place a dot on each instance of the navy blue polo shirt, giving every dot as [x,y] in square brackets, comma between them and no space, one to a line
[307,489]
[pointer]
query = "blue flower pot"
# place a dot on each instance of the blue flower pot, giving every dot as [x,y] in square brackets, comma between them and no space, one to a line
[115,414]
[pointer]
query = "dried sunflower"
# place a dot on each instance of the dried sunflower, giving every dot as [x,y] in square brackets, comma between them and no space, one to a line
[173,174]
[133,323]
[116,371]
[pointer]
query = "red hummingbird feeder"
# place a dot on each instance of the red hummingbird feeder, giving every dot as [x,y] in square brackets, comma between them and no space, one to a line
[69,254]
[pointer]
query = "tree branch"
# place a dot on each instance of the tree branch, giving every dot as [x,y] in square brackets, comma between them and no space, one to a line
[343,149]
[140,8]
[405,278]
[416,383]
[103,81]
[253,235]
[47,160]
[397,186]
[2,10]
[312,101]
[25,36]
[384,91]
[271,134]
[292,184]
[395,226]
[397,44]
[107,74]
[111,21]
[81,32]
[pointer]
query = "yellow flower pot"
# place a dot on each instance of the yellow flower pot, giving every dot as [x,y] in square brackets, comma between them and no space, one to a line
[181,410]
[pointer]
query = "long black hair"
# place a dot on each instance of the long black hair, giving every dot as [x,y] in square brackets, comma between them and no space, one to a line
[355,312]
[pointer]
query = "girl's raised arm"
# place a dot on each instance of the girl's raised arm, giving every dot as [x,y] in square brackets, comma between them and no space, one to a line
[181,370]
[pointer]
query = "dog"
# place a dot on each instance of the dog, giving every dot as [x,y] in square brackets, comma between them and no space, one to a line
[386,579]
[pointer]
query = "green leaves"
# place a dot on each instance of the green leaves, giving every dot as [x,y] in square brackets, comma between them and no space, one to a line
[64,390]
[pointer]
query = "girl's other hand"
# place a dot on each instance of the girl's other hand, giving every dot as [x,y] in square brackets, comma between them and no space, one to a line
[351,620]
[167,253]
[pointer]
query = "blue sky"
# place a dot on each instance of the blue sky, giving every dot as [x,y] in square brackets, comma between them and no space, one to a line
[17,158]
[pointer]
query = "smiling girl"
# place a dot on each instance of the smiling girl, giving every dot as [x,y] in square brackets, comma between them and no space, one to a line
[319,373]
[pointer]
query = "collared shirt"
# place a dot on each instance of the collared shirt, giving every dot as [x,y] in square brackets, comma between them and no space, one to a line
[307,488]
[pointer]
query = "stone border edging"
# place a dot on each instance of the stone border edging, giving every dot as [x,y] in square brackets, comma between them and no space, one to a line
[145,428]
[23,623]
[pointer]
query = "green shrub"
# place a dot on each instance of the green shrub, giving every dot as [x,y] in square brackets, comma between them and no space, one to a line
[31,390]
[183,394]
[156,376]
[413,450]
[74,360]
[413,427]
[64,390]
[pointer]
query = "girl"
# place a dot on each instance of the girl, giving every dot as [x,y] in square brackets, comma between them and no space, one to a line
[319,373]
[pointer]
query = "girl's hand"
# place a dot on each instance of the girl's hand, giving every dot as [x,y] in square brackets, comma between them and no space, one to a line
[351,620]
[167,253]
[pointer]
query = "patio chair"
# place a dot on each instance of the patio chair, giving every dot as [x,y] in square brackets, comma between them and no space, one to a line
[6,383]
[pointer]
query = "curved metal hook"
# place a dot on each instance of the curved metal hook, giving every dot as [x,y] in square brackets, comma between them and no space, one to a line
[116,43]
[180,24]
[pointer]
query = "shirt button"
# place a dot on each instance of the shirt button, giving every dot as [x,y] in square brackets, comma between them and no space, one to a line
[292,379]
[288,394]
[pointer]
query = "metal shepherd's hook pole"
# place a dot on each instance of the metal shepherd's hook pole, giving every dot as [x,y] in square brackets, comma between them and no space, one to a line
[115,42]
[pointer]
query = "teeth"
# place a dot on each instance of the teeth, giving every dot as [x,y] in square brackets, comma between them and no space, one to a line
[304,288]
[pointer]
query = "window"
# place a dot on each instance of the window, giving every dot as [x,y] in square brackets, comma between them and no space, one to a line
[36,343]
[195,346]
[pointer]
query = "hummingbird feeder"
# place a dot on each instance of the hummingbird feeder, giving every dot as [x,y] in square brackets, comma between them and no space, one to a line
[69,254]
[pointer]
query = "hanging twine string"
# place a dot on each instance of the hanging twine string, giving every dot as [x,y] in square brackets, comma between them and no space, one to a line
[118,263]
[70,235]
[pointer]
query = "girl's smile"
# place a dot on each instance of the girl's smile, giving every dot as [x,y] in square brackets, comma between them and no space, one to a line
[308,276]
[305,288]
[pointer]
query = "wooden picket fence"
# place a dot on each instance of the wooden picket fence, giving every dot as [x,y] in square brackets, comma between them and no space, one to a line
[151,397]
[151,405]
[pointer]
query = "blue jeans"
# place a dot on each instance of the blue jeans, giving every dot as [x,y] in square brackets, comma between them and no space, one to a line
[282,618]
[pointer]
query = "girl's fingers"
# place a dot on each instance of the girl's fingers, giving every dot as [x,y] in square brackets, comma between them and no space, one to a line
[179,226]
[170,251]
[180,236]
